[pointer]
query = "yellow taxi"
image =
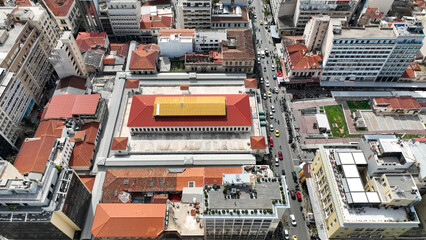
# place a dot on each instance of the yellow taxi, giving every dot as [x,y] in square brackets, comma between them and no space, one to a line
[261,22]
[277,132]
[294,237]
[269,94]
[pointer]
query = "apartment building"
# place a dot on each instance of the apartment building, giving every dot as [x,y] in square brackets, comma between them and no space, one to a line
[315,32]
[46,203]
[153,21]
[300,65]
[206,40]
[125,17]
[175,43]
[292,16]
[66,13]
[193,13]
[371,53]
[66,57]
[350,203]
[25,68]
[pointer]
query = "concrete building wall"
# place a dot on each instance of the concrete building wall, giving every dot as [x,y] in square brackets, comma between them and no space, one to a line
[315,32]
[195,13]
[174,46]
[208,40]
[125,17]
[383,5]
[66,58]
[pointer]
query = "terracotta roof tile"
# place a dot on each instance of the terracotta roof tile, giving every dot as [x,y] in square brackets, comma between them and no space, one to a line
[132,83]
[415,66]
[88,40]
[156,2]
[299,59]
[34,154]
[78,136]
[24,3]
[398,102]
[257,142]
[374,13]
[136,220]
[59,8]
[72,81]
[119,143]
[409,73]
[142,59]
[244,45]
[159,179]
[88,181]
[83,151]
[250,83]
[109,61]
[182,32]
[121,49]
[237,108]
[67,105]
[50,128]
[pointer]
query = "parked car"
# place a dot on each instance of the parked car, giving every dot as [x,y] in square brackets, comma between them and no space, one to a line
[277,163]
[293,220]
[271,142]
[292,194]
[273,68]
[277,174]
[277,90]
[271,127]
[264,96]
[261,80]
[271,115]
[299,196]
[258,60]
[283,172]
[280,155]
[294,176]
[264,69]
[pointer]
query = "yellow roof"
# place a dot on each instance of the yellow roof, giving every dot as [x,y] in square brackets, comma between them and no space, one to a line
[190,106]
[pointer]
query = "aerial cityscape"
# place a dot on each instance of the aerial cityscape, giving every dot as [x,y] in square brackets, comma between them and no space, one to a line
[213,119]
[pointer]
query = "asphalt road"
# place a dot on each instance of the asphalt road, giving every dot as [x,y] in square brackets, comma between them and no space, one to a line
[281,142]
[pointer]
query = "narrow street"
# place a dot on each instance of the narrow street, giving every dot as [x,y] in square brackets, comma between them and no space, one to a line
[281,143]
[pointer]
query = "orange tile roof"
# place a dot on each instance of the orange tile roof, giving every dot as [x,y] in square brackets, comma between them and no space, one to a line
[182,32]
[83,151]
[88,181]
[250,83]
[420,139]
[420,3]
[88,40]
[257,142]
[244,50]
[67,105]
[159,179]
[398,102]
[299,59]
[119,143]
[78,136]
[238,113]
[34,153]
[50,128]
[59,8]
[135,220]
[122,49]
[24,3]
[374,13]
[109,61]
[409,73]
[132,83]
[143,59]
[415,66]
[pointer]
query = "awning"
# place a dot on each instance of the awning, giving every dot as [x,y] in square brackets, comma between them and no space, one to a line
[274,32]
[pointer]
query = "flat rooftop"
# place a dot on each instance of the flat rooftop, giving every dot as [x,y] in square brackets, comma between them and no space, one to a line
[361,214]
[266,192]
[182,221]
[11,40]
[190,142]
[369,32]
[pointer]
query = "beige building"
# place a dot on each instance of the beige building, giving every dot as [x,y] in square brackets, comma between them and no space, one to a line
[194,13]
[66,14]
[66,57]
[351,204]
[315,32]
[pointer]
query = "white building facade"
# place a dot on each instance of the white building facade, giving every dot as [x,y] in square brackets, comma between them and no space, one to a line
[66,57]
[125,17]
[315,32]
[175,45]
[371,54]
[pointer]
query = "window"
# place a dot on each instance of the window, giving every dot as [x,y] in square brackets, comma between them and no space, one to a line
[126,181]
[191,184]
